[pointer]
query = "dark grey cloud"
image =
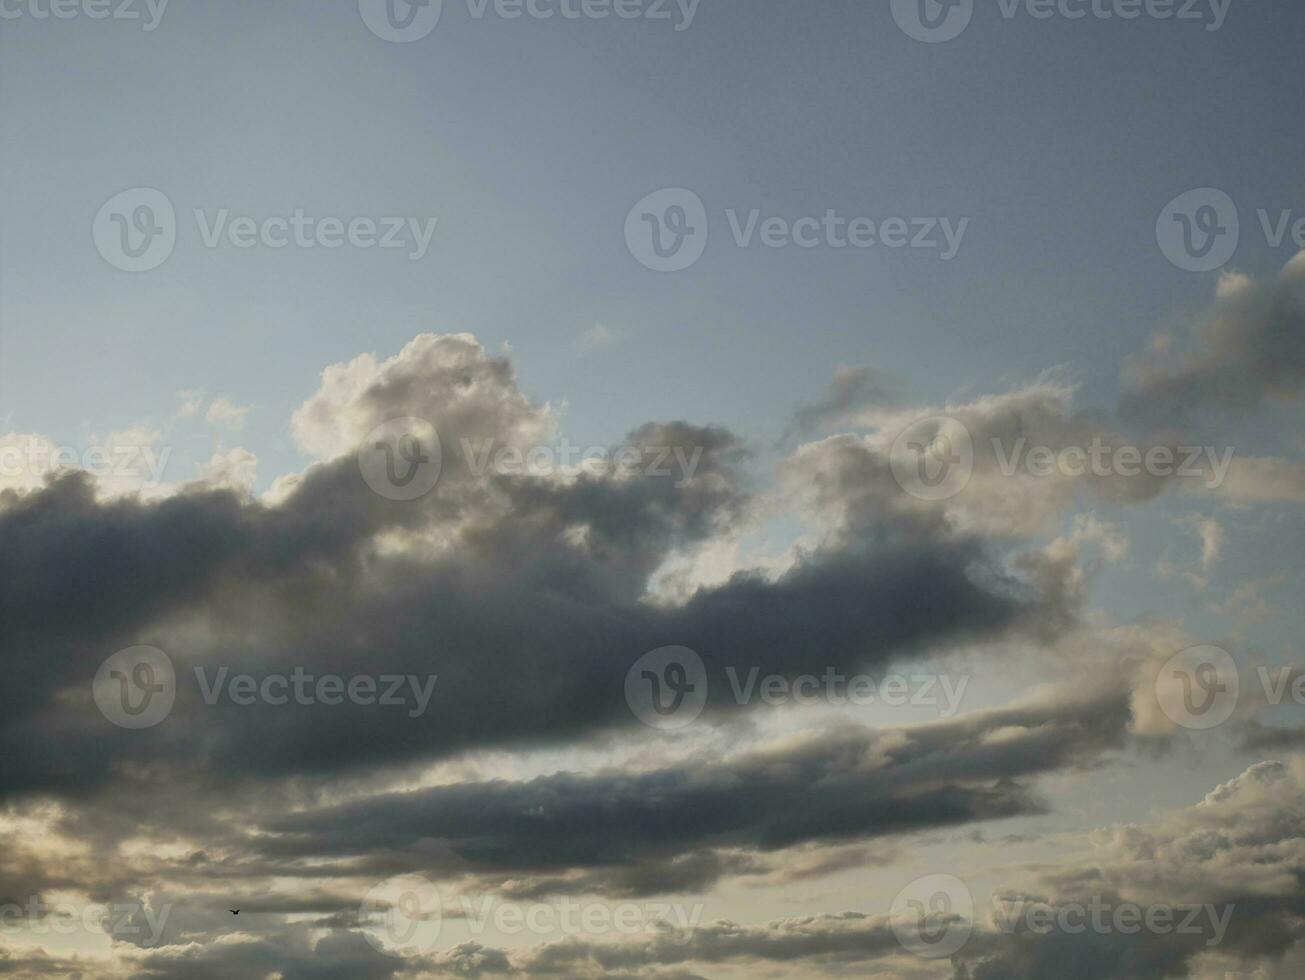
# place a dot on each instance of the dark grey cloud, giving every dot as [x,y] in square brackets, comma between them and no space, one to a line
[666,830]
[525,594]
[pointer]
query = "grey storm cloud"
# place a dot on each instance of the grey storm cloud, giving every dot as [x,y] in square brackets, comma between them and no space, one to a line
[529,604]
[629,830]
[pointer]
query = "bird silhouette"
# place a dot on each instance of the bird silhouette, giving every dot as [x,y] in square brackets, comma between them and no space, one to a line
[234,911]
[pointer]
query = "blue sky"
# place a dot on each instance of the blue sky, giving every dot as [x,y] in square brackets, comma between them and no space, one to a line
[529,141]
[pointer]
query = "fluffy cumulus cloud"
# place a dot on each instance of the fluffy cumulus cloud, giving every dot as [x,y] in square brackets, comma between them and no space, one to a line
[503,610]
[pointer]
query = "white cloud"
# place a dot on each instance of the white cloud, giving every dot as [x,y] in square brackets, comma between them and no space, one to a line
[225,414]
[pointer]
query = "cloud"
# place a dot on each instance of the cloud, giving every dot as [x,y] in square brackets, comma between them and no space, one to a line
[1264,480]
[1014,486]
[1236,853]
[675,829]
[1249,349]
[853,390]
[598,337]
[191,400]
[225,414]
[527,595]
[1240,850]
[235,469]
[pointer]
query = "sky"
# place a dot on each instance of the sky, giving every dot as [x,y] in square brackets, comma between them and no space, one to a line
[624,488]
